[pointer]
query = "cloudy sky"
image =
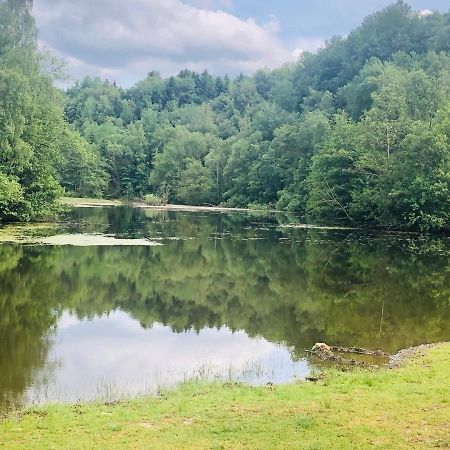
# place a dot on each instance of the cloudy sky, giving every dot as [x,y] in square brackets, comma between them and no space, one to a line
[123,40]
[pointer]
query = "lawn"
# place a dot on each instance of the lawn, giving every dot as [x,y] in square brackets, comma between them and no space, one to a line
[388,409]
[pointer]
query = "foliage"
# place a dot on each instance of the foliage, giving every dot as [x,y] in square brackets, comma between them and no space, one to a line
[153,200]
[80,168]
[195,186]
[334,137]
[11,198]
[34,139]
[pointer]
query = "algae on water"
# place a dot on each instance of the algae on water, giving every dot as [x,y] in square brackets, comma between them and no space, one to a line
[44,234]
[87,240]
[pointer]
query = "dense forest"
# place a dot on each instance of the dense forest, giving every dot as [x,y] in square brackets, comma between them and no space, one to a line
[356,134]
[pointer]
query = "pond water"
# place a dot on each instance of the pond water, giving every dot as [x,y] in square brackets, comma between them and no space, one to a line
[232,296]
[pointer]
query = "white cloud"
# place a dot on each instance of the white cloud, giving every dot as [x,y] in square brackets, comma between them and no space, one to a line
[273,25]
[426,12]
[213,4]
[308,45]
[125,40]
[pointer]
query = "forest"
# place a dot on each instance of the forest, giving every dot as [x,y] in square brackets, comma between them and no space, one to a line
[357,134]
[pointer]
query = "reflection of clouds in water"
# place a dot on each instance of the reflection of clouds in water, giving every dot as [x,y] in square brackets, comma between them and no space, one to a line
[67,320]
[114,353]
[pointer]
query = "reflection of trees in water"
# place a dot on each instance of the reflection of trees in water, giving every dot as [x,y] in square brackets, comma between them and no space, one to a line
[27,317]
[331,286]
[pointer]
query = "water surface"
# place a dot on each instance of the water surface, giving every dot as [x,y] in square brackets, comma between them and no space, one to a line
[227,295]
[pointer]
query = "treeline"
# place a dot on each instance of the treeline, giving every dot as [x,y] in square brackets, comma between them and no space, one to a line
[356,134]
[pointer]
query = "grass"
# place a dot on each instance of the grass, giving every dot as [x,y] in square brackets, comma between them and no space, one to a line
[388,409]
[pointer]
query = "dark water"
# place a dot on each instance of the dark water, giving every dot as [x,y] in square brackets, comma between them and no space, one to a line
[228,295]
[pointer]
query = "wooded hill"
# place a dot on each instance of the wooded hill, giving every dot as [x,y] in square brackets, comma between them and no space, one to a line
[356,134]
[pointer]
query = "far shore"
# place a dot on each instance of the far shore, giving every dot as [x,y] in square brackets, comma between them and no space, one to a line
[97,203]
[79,202]
[93,202]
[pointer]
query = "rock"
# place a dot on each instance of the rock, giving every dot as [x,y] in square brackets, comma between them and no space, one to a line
[313,379]
[326,352]
[321,347]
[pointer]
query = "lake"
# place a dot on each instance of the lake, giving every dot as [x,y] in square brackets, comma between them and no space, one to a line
[214,295]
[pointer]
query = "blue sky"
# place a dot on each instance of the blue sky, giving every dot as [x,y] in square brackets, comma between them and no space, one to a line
[320,18]
[125,39]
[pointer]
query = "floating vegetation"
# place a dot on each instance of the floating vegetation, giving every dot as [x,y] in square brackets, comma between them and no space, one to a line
[314,227]
[46,234]
[88,240]
[23,234]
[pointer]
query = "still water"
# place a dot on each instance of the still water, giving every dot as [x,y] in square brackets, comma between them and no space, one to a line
[237,296]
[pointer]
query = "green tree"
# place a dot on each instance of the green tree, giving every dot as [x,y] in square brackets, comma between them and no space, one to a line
[31,118]
[80,169]
[195,186]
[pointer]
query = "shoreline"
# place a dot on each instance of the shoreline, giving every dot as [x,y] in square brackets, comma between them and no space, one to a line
[403,356]
[94,203]
[403,408]
[79,202]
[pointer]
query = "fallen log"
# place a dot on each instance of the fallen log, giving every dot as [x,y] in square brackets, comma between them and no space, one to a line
[359,351]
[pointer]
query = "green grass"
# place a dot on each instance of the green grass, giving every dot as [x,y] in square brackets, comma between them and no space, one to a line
[387,409]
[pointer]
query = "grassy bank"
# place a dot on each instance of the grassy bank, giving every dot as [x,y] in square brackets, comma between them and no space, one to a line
[403,408]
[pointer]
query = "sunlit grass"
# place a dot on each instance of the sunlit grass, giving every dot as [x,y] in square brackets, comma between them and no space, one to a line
[389,409]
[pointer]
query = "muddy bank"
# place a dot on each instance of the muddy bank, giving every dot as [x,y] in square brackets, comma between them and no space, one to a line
[402,357]
[334,354]
[343,355]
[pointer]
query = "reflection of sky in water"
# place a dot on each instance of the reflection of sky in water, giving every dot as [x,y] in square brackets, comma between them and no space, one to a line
[114,356]
[294,285]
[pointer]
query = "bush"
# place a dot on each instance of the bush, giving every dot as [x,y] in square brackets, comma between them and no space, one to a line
[258,207]
[12,203]
[153,200]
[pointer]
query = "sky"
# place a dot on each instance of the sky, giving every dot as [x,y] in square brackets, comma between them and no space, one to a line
[123,40]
